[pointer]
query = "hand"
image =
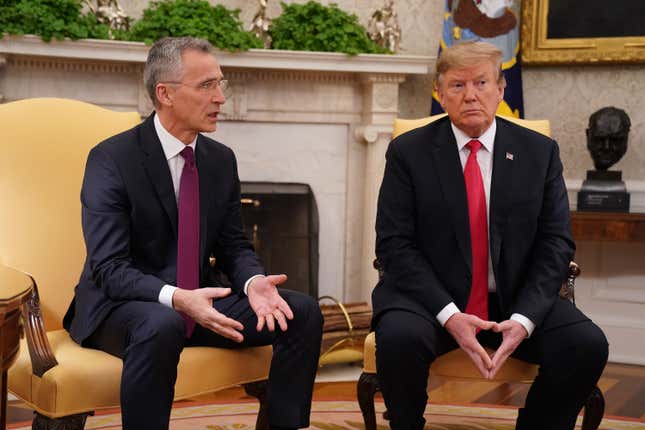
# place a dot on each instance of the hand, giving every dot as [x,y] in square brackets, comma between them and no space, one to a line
[513,333]
[267,303]
[463,328]
[198,304]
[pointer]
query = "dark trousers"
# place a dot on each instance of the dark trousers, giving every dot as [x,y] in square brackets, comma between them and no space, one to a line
[149,338]
[571,359]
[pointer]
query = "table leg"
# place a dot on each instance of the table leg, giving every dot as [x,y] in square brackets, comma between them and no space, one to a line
[3,405]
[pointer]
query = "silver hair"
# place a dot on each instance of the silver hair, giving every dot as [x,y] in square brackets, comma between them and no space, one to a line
[164,61]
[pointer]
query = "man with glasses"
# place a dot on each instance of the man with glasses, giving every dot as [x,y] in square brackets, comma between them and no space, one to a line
[160,204]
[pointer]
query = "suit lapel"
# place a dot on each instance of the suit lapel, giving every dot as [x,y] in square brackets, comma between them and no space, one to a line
[206,165]
[156,167]
[500,190]
[451,177]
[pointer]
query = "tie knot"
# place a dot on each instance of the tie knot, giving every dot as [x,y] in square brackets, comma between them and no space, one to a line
[474,146]
[188,154]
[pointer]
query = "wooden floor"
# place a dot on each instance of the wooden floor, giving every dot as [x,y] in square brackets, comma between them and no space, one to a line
[623,387]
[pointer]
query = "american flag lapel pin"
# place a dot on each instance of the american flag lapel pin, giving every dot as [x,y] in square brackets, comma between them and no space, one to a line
[509,156]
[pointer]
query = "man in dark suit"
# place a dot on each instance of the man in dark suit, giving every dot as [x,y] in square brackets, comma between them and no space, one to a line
[473,236]
[159,203]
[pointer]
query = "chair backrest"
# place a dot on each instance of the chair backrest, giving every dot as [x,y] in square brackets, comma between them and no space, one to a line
[402,125]
[45,142]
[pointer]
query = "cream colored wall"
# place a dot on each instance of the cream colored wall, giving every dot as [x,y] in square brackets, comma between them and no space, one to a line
[565,95]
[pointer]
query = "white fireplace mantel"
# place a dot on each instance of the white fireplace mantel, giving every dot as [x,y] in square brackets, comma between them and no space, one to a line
[291,116]
[136,52]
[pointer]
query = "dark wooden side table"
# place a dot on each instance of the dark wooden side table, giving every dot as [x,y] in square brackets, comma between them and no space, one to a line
[608,227]
[15,289]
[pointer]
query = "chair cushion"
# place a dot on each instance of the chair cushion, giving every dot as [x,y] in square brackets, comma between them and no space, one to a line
[87,379]
[456,364]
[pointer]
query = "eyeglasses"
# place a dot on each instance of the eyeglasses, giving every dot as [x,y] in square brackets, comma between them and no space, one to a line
[206,86]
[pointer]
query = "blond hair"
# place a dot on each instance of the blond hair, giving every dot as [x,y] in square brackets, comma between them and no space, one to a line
[468,54]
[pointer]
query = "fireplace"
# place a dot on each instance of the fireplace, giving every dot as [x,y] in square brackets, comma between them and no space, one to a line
[281,220]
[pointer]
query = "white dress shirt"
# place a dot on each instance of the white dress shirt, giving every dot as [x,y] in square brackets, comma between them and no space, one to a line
[172,148]
[485,161]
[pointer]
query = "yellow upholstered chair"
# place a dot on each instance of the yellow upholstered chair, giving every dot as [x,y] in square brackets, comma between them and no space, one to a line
[456,364]
[45,143]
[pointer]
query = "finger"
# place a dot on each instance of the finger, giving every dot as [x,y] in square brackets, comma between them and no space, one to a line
[499,358]
[481,352]
[216,292]
[261,322]
[280,318]
[270,322]
[285,309]
[227,332]
[476,359]
[485,325]
[277,279]
[497,364]
[505,326]
[225,321]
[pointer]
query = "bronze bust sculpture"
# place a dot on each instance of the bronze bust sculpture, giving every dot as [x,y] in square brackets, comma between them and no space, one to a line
[604,189]
[607,136]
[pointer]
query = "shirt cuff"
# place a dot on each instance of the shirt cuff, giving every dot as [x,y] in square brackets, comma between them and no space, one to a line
[165,295]
[247,283]
[527,323]
[445,314]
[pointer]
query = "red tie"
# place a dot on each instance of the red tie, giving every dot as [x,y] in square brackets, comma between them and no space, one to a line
[188,236]
[478,300]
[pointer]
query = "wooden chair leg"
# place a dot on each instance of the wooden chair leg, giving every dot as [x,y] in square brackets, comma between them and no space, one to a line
[259,391]
[594,410]
[70,422]
[366,387]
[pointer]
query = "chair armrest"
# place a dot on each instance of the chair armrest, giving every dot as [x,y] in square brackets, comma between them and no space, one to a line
[41,353]
[568,286]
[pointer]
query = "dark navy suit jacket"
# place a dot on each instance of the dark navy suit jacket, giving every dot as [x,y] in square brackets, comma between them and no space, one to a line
[423,236]
[129,217]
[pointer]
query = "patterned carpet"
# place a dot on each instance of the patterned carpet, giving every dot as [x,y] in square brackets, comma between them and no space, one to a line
[335,415]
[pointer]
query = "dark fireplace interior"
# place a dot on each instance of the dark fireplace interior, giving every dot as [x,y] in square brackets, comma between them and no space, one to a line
[281,220]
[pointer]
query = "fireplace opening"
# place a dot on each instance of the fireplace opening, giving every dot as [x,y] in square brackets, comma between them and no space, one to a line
[281,220]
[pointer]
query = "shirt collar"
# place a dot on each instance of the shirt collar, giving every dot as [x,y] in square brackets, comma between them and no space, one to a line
[170,144]
[487,139]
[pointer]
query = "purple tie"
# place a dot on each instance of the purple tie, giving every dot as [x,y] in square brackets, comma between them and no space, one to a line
[188,237]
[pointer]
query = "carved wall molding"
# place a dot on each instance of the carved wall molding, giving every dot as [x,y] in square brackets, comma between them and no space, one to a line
[295,76]
[372,132]
[389,78]
[236,107]
[69,65]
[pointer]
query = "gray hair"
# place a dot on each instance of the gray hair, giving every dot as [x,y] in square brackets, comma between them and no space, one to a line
[164,61]
[468,54]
